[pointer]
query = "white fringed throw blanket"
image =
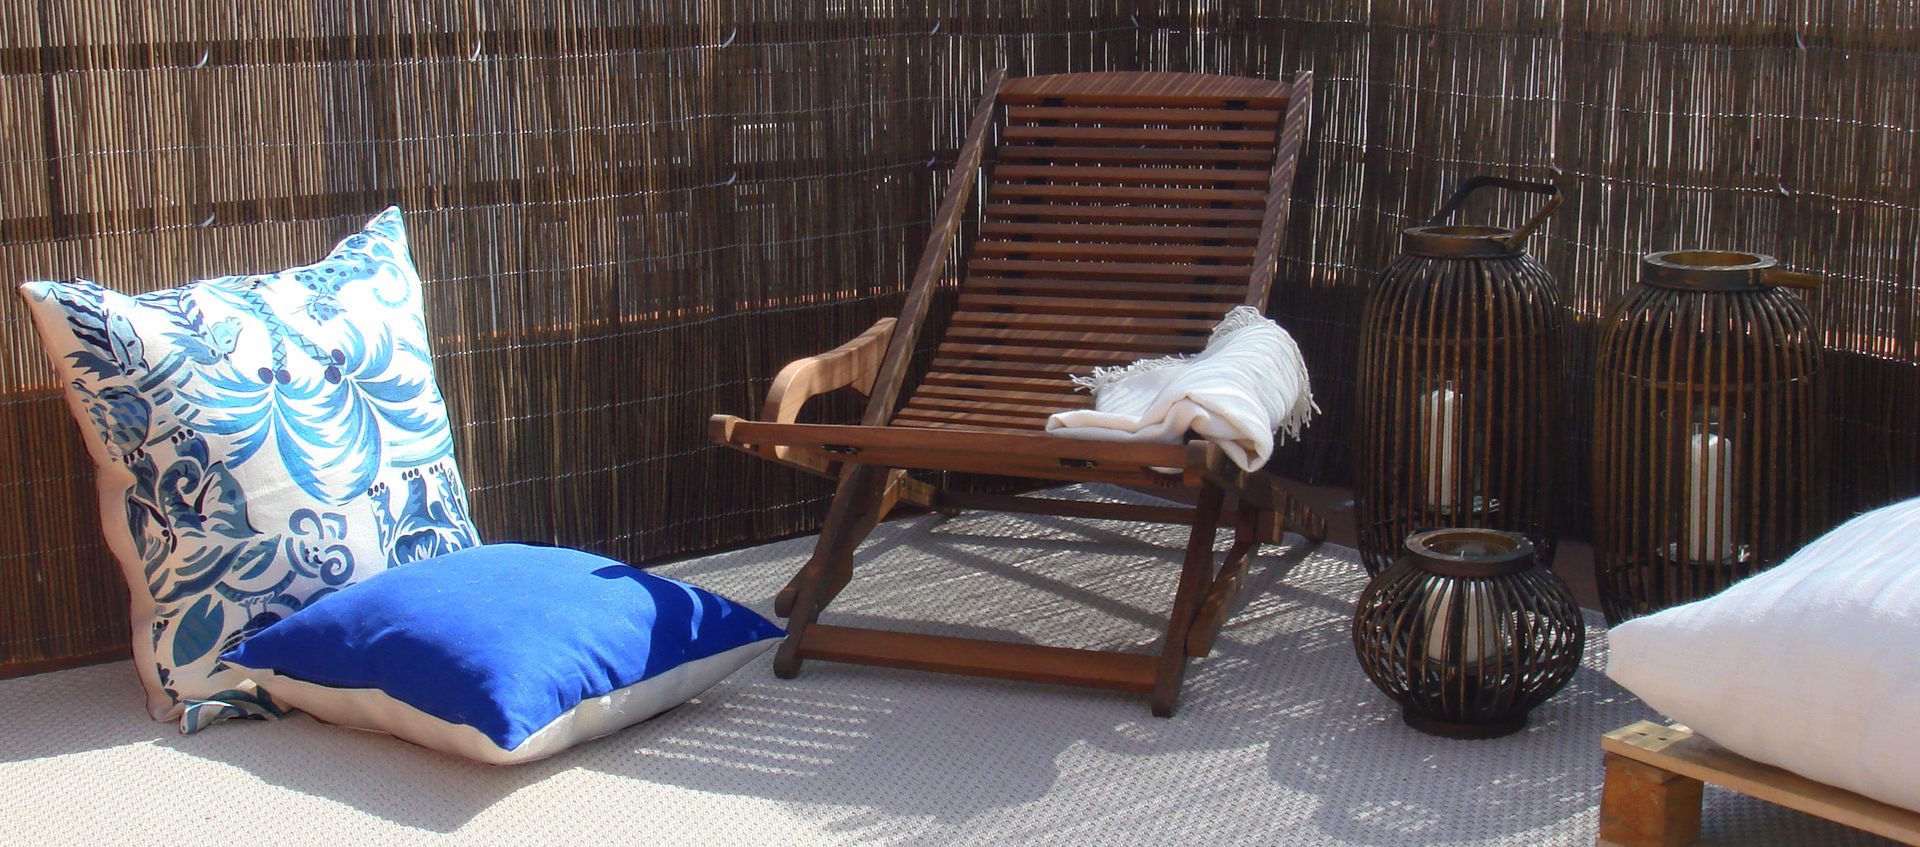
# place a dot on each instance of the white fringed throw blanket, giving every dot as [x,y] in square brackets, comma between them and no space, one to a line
[1248,383]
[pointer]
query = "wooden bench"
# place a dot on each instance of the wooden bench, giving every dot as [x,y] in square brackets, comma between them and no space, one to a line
[1654,781]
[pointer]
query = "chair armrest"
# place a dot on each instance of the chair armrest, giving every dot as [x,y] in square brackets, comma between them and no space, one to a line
[854,365]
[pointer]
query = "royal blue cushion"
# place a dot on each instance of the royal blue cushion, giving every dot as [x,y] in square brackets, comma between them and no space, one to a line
[504,652]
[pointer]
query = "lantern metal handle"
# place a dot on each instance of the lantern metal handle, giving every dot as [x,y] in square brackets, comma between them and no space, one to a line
[1512,242]
[1790,279]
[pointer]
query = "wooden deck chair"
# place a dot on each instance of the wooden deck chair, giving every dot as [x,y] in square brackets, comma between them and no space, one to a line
[1126,214]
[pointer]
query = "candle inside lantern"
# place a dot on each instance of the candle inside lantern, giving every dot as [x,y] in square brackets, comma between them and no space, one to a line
[1709,496]
[1440,419]
[1479,635]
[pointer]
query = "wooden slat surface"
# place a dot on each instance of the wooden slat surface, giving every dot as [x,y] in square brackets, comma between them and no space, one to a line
[1094,213]
[1133,176]
[1115,308]
[1144,136]
[1013,407]
[1133,155]
[1086,250]
[1123,220]
[1083,323]
[1064,398]
[1003,367]
[1049,384]
[1195,292]
[1122,233]
[1163,116]
[1122,194]
[1110,270]
[1017,339]
[1677,750]
[1003,354]
[1160,88]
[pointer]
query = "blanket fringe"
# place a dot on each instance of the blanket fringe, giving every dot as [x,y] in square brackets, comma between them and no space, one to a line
[1106,375]
[1240,318]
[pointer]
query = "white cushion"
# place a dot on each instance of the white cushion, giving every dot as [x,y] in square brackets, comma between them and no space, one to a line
[260,442]
[1813,666]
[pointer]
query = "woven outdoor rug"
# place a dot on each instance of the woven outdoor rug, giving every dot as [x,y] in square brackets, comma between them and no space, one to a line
[1279,739]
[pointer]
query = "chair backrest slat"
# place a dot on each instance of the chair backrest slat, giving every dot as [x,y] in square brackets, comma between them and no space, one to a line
[1123,216]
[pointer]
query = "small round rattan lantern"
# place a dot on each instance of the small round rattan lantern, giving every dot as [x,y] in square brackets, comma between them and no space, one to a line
[1708,441]
[1468,632]
[1458,385]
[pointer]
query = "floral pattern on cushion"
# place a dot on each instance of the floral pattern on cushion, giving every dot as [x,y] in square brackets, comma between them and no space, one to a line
[261,441]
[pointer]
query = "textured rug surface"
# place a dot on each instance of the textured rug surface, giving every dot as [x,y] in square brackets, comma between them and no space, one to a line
[1279,740]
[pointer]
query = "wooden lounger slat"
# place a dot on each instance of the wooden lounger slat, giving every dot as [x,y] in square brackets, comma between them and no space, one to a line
[1083,323]
[1023,304]
[1143,100]
[1065,396]
[1156,116]
[1022,412]
[1055,193]
[957,367]
[1240,138]
[1058,383]
[1195,292]
[1134,155]
[1106,233]
[1064,359]
[1108,270]
[1017,341]
[1132,176]
[1098,213]
[1095,251]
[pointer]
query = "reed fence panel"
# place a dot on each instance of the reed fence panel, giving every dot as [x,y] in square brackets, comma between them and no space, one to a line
[630,213]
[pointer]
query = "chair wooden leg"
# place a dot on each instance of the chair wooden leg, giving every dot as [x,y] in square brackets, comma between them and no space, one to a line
[890,496]
[1219,602]
[1196,577]
[857,505]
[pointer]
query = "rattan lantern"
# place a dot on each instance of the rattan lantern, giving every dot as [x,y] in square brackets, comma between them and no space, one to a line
[1458,385]
[1708,442]
[1468,632]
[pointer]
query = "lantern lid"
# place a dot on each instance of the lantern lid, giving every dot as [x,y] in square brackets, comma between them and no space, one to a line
[1458,242]
[1471,553]
[1718,270]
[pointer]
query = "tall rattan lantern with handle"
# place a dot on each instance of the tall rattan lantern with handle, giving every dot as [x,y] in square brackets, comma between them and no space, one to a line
[1458,387]
[1708,438]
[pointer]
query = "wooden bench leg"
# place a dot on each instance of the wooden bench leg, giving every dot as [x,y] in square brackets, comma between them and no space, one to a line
[1644,806]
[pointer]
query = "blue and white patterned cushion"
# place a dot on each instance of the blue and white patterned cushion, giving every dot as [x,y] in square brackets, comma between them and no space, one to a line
[261,442]
[504,653]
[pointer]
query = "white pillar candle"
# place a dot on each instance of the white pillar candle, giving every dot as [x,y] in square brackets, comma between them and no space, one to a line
[1709,497]
[1480,637]
[1440,423]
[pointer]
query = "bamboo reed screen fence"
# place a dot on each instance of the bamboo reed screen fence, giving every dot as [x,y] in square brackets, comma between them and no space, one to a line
[630,213]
